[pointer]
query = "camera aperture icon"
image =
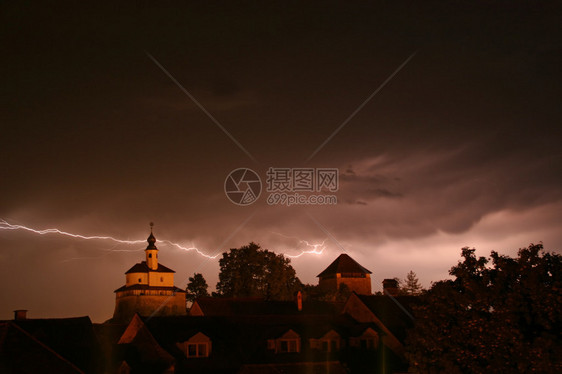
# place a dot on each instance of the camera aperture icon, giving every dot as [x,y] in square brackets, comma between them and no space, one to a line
[242,186]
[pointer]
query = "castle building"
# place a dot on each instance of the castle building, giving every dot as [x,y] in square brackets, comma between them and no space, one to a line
[345,270]
[149,289]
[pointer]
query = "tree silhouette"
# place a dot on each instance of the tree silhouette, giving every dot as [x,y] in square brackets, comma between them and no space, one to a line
[250,271]
[494,319]
[411,285]
[197,287]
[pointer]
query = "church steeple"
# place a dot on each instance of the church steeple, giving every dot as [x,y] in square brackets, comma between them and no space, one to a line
[151,251]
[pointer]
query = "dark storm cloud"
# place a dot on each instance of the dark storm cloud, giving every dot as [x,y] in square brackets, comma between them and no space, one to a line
[98,140]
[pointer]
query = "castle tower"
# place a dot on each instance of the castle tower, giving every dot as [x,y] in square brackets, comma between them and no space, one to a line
[149,289]
[345,270]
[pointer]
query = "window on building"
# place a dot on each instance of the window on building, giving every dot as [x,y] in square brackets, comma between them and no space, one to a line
[161,279]
[140,280]
[330,342]
[150,255]
[286,343]
[288,346]
[199,345]
[330,345]
[367,341]
[197,350]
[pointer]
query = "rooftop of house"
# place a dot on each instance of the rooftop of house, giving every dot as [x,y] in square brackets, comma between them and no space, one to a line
[213,306]
[238,340]
[394,312]
[344,264]
[73,339]
[21,352]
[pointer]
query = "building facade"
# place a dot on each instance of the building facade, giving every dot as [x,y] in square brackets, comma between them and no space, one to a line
[149,289]
[345,270]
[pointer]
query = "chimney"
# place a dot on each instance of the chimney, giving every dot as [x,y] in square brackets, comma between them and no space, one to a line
[20,314]
[299,301]
[390,287]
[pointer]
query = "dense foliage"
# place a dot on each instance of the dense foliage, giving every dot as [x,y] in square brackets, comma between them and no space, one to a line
[250,271]
[498,318]
[197,287]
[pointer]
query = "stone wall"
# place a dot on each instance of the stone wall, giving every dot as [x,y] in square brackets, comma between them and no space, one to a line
[146,305]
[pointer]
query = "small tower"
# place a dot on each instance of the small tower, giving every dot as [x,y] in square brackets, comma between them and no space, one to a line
[151,251]
[345,270]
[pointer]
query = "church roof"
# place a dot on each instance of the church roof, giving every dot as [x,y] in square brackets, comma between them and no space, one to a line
[142,267]
[344,264]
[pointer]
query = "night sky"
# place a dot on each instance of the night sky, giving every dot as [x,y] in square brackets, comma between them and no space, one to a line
[461,147]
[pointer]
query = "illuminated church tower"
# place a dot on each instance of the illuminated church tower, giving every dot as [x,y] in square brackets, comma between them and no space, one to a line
[149,289]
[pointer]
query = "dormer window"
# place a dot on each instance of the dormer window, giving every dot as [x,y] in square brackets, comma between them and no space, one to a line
[198,346]
[329,342]
[289,342]
[369,340]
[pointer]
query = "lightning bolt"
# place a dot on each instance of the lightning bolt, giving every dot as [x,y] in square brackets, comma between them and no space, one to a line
[315,247]
[8,226]
[4,225]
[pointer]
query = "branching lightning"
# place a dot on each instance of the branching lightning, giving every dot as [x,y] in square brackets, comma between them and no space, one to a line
[314,249]
[4,225]
[8,226]
[317,249]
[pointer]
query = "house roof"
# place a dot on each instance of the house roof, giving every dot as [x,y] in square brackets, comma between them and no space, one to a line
[344,264]
[147,287]
[142,267]
[72,338]
[242,339]
[138,336]
[214,306]
[394,312]
[334,367]
[21,352]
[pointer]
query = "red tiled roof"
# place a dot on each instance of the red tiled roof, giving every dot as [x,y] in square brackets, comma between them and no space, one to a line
[344,264]
[142,267]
